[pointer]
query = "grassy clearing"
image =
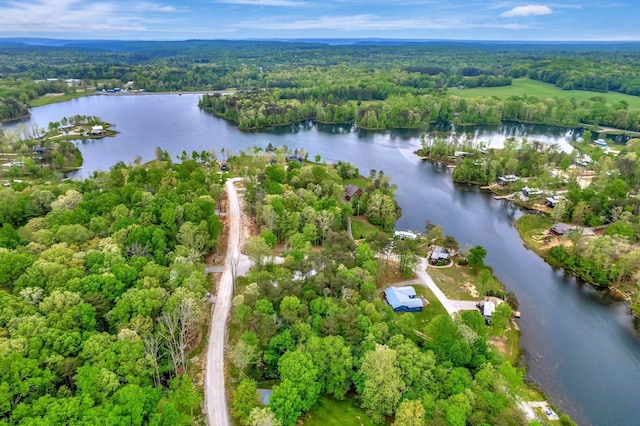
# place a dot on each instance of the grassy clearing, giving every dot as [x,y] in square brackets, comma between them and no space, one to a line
[361,228]
[531,225]
[524,86]
[360,182]
[52,99]
[456,282]
[331,412]
[434,309]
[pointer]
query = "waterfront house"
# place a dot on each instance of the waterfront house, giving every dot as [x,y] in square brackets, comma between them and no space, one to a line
[553,201]
[507,179]
[351,191]
[488,308]
[97,130]
[560,229]
[403,299]
[531,192]
[405,235]
[438,254]
[601,143]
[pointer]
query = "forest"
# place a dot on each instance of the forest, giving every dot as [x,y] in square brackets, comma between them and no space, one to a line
[366,84]
[315,327]
[102,295]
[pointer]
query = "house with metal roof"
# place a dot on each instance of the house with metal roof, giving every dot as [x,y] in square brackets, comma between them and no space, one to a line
[403,299]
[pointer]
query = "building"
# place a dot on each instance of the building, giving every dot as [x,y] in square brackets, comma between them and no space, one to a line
[405,235]
[488,309]
[351,191]
[438,254]
[506,180]
[531,192]
[560,229]
[97,130]
[553,201]
[601,143]
[403,299]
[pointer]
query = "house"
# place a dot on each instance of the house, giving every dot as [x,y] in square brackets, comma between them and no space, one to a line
[461,154]
[583,160]
[531,192]
[507,179]
[351,191]
[405,235]
[560,229]
[97,130]
[488,308]
[553,201]
[403,299]
[601,143]
[438,254]
[295,158]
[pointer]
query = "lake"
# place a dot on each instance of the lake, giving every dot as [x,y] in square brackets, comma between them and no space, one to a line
[580,345]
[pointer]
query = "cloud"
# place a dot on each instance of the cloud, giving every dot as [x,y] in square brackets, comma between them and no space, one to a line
[147,6]
[286,3]
[528,10]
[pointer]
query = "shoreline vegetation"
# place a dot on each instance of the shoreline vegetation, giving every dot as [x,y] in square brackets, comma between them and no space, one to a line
[585,191]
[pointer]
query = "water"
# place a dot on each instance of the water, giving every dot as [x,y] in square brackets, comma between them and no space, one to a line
[580,345]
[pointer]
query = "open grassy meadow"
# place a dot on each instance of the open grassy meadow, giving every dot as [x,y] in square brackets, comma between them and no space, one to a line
[524,86]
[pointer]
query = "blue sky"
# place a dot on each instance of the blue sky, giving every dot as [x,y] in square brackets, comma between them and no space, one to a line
[243,19]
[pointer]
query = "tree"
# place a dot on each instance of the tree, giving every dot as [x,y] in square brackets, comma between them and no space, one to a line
[243,354]
[263,416]
[244,400]
[500,319]
[297,368]
[179,330]
[334,360]
[476,258]
[410,413]
[286,403]
[257,249]
[381,386]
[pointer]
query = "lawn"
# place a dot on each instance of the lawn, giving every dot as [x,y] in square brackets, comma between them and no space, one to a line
[530,225]
[52,99]
[524,86]
[360,182]
[361,228]
[434,309]
[452,282]
[331,412]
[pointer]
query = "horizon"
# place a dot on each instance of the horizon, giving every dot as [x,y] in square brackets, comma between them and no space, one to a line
[404,20]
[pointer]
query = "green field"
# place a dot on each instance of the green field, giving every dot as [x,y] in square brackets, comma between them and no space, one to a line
[329,412]
[524,86]
[52,99]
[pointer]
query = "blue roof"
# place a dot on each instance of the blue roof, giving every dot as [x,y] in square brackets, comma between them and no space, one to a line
[403,298]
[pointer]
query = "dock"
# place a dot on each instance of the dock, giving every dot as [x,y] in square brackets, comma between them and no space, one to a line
[504,197]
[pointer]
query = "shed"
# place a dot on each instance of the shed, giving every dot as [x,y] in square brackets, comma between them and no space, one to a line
[403,299]
[553,201]
[351,191]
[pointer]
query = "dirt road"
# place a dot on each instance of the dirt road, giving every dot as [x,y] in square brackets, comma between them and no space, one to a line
[215,400]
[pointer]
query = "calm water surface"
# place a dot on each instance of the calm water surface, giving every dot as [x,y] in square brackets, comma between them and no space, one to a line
[580,345]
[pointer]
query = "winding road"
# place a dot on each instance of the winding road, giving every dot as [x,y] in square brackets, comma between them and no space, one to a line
[214,389]
[449,305]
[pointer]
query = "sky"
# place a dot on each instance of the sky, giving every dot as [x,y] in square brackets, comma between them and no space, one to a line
[597,20]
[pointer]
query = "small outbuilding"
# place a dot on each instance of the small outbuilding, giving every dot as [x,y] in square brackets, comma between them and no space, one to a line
[488,309]
[97,130]
[403,299]
[507,179]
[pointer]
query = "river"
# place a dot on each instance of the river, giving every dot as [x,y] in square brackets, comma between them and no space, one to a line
[580,345]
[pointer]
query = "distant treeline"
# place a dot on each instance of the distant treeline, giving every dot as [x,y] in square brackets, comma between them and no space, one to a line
[259,109]
[366,71]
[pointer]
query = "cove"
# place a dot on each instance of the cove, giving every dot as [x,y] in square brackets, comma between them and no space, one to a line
[580,346]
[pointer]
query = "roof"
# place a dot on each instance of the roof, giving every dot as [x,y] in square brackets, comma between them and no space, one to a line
[402,296]
[562,228]
[351,190]
[488,308]
[405,234]
[439,253]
